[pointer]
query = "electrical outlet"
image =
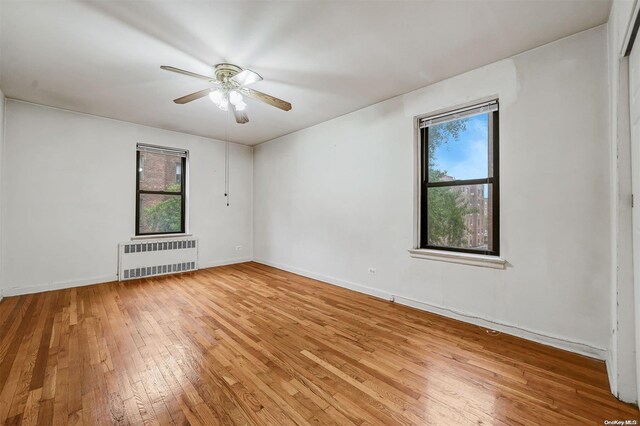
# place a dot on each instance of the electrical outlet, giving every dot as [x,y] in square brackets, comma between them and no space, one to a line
[238,248]
[372,270]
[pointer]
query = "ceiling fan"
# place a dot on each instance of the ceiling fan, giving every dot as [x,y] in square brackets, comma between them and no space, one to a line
[229,89]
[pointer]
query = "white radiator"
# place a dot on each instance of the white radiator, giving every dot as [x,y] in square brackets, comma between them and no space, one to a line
[138,259]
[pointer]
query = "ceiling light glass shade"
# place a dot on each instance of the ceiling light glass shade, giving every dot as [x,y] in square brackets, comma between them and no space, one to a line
[224,104]
[235,97]
[240,106]
[216,96]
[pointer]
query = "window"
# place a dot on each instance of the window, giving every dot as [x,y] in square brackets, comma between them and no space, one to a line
[459,192]
[160,188]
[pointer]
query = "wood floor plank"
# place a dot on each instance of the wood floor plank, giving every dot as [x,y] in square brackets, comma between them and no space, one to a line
[248,344]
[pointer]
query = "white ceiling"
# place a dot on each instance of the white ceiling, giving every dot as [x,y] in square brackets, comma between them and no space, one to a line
[326,58]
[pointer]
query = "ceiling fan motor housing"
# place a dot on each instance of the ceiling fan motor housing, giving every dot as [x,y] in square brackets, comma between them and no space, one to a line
[225,71]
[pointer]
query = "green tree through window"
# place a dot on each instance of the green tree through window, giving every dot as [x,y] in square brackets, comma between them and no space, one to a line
[447,209]
[165,215]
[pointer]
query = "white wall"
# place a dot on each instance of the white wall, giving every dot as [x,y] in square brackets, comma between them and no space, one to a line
[69,196]
[335,199]
[622,360]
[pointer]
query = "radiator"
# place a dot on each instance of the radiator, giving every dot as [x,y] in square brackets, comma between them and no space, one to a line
[148,258]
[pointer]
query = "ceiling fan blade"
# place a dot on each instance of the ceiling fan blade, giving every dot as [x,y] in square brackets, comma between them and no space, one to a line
[246,77]
[241,116]
[278,103]
[192,96]
[189,73]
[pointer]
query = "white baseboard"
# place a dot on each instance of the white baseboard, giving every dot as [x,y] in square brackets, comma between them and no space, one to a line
[535,336]
[214,263]
[39,288]
[543,338]
[327,279]
[557,342]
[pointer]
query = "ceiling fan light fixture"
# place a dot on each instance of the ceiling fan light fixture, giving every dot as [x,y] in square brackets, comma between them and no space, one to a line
[235,97]
[216,96]
[224,104]
[240,106]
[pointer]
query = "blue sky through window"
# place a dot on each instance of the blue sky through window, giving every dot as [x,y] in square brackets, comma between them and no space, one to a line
[467,156]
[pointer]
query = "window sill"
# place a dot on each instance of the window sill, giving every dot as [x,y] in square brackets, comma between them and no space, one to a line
[462,258]
[159,236]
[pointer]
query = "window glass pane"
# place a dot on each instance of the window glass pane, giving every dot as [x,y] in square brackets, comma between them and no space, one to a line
[460,216]
[160,213]
[459,149]
[160,172]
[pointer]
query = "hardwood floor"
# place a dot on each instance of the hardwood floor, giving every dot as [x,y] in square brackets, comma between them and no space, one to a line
[249,344]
